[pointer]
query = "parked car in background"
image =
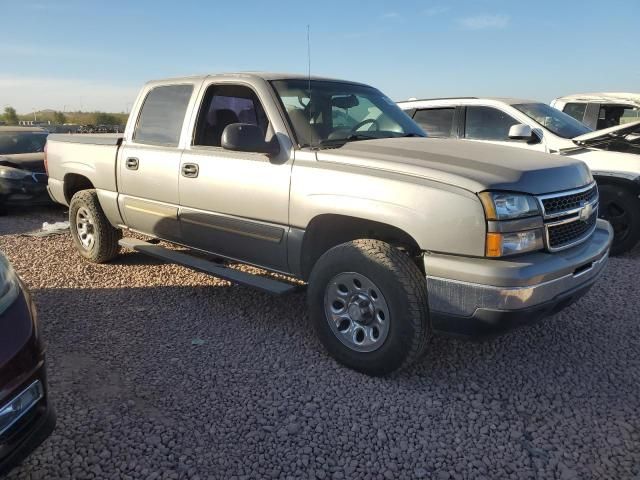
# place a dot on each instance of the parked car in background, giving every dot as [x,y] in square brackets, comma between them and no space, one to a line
[331,183]
[27,417]
[23,179]
[611,154]
[87,129]
[601,110]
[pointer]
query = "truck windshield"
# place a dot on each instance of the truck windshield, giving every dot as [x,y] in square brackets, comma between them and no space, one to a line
[324,113]
[553,119]
[13,143]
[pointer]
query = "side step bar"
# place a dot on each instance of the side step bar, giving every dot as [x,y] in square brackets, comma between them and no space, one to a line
[265,284]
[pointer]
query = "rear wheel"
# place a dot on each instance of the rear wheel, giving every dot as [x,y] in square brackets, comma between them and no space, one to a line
[368,305]
[621,207]
[94,237]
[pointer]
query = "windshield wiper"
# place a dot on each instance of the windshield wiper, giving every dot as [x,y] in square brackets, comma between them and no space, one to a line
[330,142]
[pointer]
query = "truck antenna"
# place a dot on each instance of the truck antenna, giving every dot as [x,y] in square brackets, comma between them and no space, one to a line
[310,105]
[309,56]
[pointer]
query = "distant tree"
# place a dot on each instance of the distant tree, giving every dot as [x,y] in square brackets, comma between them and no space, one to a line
[59,118]
[106,119]
[10,116]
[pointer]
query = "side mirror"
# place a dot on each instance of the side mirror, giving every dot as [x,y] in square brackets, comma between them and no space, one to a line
[520,132]
[244,137]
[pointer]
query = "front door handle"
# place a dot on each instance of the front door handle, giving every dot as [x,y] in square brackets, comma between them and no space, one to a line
[132,163]
[190,170]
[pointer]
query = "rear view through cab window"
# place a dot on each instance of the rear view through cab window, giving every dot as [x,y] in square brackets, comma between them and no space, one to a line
[162,115]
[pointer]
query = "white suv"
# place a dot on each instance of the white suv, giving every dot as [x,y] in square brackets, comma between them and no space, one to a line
[612,154]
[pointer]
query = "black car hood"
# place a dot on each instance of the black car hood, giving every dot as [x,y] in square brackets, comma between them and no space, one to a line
[33,162]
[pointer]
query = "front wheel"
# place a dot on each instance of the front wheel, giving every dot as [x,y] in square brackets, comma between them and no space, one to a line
[94,237]
[368,305]
[621,207]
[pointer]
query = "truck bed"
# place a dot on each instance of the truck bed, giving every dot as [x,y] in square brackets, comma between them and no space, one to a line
[95,139]
[92,157]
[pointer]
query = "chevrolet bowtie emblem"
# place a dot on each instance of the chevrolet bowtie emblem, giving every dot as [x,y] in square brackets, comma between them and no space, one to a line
[585,213]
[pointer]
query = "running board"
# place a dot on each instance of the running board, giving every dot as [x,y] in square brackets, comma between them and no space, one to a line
[265,284]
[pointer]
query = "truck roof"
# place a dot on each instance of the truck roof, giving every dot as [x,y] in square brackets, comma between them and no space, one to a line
[471,100]
[252,75]
[609,97]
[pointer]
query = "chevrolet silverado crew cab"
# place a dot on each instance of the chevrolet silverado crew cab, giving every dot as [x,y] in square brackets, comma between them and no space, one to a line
[329,182]
[611,154]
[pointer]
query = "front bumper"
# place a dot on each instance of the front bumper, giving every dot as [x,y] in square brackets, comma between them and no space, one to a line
[21,364]
[477,296]
[27,435]
[31,190]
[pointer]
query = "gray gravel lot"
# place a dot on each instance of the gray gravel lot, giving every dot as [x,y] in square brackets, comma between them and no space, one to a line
[260,398]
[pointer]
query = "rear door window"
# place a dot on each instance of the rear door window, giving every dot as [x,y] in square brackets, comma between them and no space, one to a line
[437,122]
[576,110]
[162,115]
[487,123]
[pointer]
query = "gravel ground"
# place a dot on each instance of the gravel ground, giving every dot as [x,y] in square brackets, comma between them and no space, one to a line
[257,397]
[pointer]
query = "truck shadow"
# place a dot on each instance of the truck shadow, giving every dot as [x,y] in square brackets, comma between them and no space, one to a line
[28,219]
[238,324]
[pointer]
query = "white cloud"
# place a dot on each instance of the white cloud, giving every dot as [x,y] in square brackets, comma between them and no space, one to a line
[484,22]
[28,93]
[356,35]
[435,10]
[49,51]
[57,5]
[391,16]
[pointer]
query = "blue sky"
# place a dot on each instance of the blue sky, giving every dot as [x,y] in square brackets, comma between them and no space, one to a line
[95,54]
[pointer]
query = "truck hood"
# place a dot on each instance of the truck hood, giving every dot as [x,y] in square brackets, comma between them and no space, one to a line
[628,133]
[473,166]
[33,162]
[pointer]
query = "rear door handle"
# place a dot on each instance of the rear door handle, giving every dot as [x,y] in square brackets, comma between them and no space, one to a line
[190,170]
[132,163]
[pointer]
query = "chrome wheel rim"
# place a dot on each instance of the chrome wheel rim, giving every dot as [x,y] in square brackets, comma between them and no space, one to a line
[85,228]
[357,312]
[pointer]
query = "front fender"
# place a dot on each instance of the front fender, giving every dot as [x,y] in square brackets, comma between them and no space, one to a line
[440,217]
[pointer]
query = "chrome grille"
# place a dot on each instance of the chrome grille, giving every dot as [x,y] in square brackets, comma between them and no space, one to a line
[567,233]
[555,205]
[569,217]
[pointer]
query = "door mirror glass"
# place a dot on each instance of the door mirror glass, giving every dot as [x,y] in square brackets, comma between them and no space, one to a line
[520,132]
[244,137]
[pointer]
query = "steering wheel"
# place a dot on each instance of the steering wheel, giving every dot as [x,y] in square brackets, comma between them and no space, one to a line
[372,121]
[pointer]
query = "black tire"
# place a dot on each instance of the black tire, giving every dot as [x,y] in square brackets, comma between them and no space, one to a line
[621,207]
[104,246]
[404,291]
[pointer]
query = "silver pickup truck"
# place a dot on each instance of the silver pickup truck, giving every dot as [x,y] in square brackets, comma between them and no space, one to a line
[329,182]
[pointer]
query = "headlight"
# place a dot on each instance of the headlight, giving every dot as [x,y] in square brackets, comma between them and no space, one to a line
[9,287]
[514,223]
[13,173]
[507,206]
[503,244]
